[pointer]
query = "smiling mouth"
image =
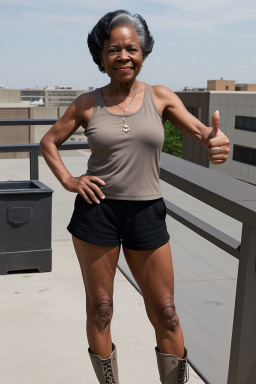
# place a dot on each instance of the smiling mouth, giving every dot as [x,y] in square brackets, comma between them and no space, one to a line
[123,69]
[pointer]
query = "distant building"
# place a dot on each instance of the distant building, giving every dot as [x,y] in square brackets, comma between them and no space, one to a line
[60,96]
[227,85]
[57,96]
[221,85]
[32,96]
[246,87]
[188,89]
[9,95]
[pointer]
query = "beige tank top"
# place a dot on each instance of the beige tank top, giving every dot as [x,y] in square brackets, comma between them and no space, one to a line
[128,162]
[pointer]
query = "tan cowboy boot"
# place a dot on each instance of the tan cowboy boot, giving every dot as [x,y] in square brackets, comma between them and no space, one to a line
[172,370]
[105,369]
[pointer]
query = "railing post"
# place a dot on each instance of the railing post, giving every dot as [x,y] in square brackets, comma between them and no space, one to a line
[243,346]
[33,154]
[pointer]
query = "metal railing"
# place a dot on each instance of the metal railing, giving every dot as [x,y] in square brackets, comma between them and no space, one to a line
[229,196]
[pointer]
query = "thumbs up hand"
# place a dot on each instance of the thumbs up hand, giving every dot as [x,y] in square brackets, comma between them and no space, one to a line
[218,146]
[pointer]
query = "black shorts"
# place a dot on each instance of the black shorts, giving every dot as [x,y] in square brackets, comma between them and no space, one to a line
[137,225]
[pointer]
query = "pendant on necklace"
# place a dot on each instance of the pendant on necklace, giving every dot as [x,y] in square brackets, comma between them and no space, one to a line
[126,127]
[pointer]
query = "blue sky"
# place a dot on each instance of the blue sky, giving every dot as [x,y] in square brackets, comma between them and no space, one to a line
[44,42]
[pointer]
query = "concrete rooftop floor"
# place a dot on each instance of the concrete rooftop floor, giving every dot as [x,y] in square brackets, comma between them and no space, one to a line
[43,338]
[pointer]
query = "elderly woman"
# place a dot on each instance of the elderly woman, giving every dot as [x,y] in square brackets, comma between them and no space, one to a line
[119,200]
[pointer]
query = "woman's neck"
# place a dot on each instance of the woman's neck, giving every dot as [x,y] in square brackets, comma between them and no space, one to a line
[123,90]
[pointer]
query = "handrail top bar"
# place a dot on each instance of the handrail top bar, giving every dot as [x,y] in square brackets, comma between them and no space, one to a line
[224,193]
[5,122]
[35,146]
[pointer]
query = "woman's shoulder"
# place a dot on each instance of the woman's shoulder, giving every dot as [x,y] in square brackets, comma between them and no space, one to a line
[83,106]
[164,97]
[85,100]
[161,90]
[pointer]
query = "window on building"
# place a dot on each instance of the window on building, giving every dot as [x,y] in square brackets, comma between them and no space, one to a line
[29,93]
[196,111]
[226,87]
[246,123]
[245,155]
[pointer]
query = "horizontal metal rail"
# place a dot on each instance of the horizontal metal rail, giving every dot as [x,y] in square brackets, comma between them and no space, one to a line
[210,233]
[35,146]
[27,122]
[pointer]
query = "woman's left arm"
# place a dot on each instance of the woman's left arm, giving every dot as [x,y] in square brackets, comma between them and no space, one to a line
[174,110]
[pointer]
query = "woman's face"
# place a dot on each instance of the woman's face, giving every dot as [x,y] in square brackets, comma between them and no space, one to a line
[121,55]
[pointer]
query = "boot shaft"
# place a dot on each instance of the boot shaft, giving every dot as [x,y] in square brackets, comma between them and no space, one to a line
[105,369]
[172,370]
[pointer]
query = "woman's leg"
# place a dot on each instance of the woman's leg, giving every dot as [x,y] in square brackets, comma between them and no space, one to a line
[98,267]
[153,272]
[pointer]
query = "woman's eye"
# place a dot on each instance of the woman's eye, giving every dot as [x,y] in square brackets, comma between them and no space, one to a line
[112,50]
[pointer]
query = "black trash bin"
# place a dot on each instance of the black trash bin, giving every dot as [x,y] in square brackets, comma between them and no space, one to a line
[25,226]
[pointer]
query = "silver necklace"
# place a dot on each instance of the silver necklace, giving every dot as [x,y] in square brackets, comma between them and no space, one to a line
[126,127]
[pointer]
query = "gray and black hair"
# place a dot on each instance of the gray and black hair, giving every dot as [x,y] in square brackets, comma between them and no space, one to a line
[103,28]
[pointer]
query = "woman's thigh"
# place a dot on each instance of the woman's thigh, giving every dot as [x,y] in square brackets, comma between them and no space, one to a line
[153,272]
[98,266]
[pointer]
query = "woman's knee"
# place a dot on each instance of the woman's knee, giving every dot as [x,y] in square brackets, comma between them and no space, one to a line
[165,315]
[100,311]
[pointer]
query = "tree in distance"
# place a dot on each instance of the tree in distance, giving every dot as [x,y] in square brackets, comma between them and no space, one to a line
[173,140]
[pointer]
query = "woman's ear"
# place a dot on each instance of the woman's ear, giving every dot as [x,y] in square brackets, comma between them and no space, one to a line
[101,62]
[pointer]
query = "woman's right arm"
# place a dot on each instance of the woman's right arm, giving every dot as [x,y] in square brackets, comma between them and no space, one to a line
[77,114]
